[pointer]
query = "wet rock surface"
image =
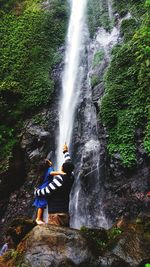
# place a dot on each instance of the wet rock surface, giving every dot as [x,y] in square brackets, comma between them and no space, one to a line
[52,246]
[126,190]
[55,246]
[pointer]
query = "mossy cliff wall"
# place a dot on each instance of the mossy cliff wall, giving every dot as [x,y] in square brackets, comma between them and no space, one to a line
[124,100]
[125,105]
[31,32]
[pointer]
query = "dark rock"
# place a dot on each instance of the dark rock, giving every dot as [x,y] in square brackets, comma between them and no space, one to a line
[34,141]
[18,183]
[19,228]
[47,245]
[111,260]
[133,245]
[55,246]
[97,92]
[97,239]
[128,185]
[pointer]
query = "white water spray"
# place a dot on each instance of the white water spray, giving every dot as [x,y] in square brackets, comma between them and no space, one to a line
[71,75]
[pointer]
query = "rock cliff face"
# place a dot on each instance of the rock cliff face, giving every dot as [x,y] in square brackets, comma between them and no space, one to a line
[37,141]
[126,190]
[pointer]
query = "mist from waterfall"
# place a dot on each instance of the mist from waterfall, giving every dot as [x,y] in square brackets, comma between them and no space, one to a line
[71,74]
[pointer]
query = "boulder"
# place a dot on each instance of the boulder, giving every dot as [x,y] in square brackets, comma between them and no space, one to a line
[133,244]
[51,246]
[55,246]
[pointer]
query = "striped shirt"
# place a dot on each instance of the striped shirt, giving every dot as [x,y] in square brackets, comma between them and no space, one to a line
[67,156]
[56,183]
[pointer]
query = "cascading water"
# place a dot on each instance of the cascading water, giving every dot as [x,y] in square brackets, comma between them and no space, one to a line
[71,75]
[86,205]
[110,12]
[86,198]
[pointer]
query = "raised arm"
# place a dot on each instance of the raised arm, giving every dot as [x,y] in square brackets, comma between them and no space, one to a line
[66,153]
[54,173]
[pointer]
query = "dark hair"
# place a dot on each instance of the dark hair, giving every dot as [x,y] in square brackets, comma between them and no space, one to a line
[68,167]
[43,166]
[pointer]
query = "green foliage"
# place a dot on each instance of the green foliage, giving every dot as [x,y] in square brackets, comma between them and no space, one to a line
[135,7]
[38,119]
[98,57]
[128,28]
[147,3]
[125,105]
[95,79]
[97,15]
[28,50]
[120,7]
[9,5]
[58,57]
[114,232]
[27,55]
[147,139]
[123,137]
[7,139]
[97,238]
[100,239]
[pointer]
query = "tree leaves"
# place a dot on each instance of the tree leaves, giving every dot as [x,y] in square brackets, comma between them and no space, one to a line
[126,105]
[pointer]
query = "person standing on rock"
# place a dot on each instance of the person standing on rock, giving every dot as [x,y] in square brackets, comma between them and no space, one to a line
[40,202]
[57,192]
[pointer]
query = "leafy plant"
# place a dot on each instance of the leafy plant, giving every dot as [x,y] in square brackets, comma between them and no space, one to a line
[95,79]
[98,57]
[128,28]
[97,238]
[135,7]
[114,233]
[97,15]
[28,52]
[125,105]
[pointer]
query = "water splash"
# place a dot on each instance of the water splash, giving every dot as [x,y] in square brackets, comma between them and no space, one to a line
[86,205]
[71,75]
[107,40]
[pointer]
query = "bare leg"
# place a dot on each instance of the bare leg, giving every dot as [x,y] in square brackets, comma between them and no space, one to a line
[39,214]
[39,218]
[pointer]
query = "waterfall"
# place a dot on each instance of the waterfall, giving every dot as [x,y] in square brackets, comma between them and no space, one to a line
[71,74]
[110,12]
[78,122]
[87,205]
